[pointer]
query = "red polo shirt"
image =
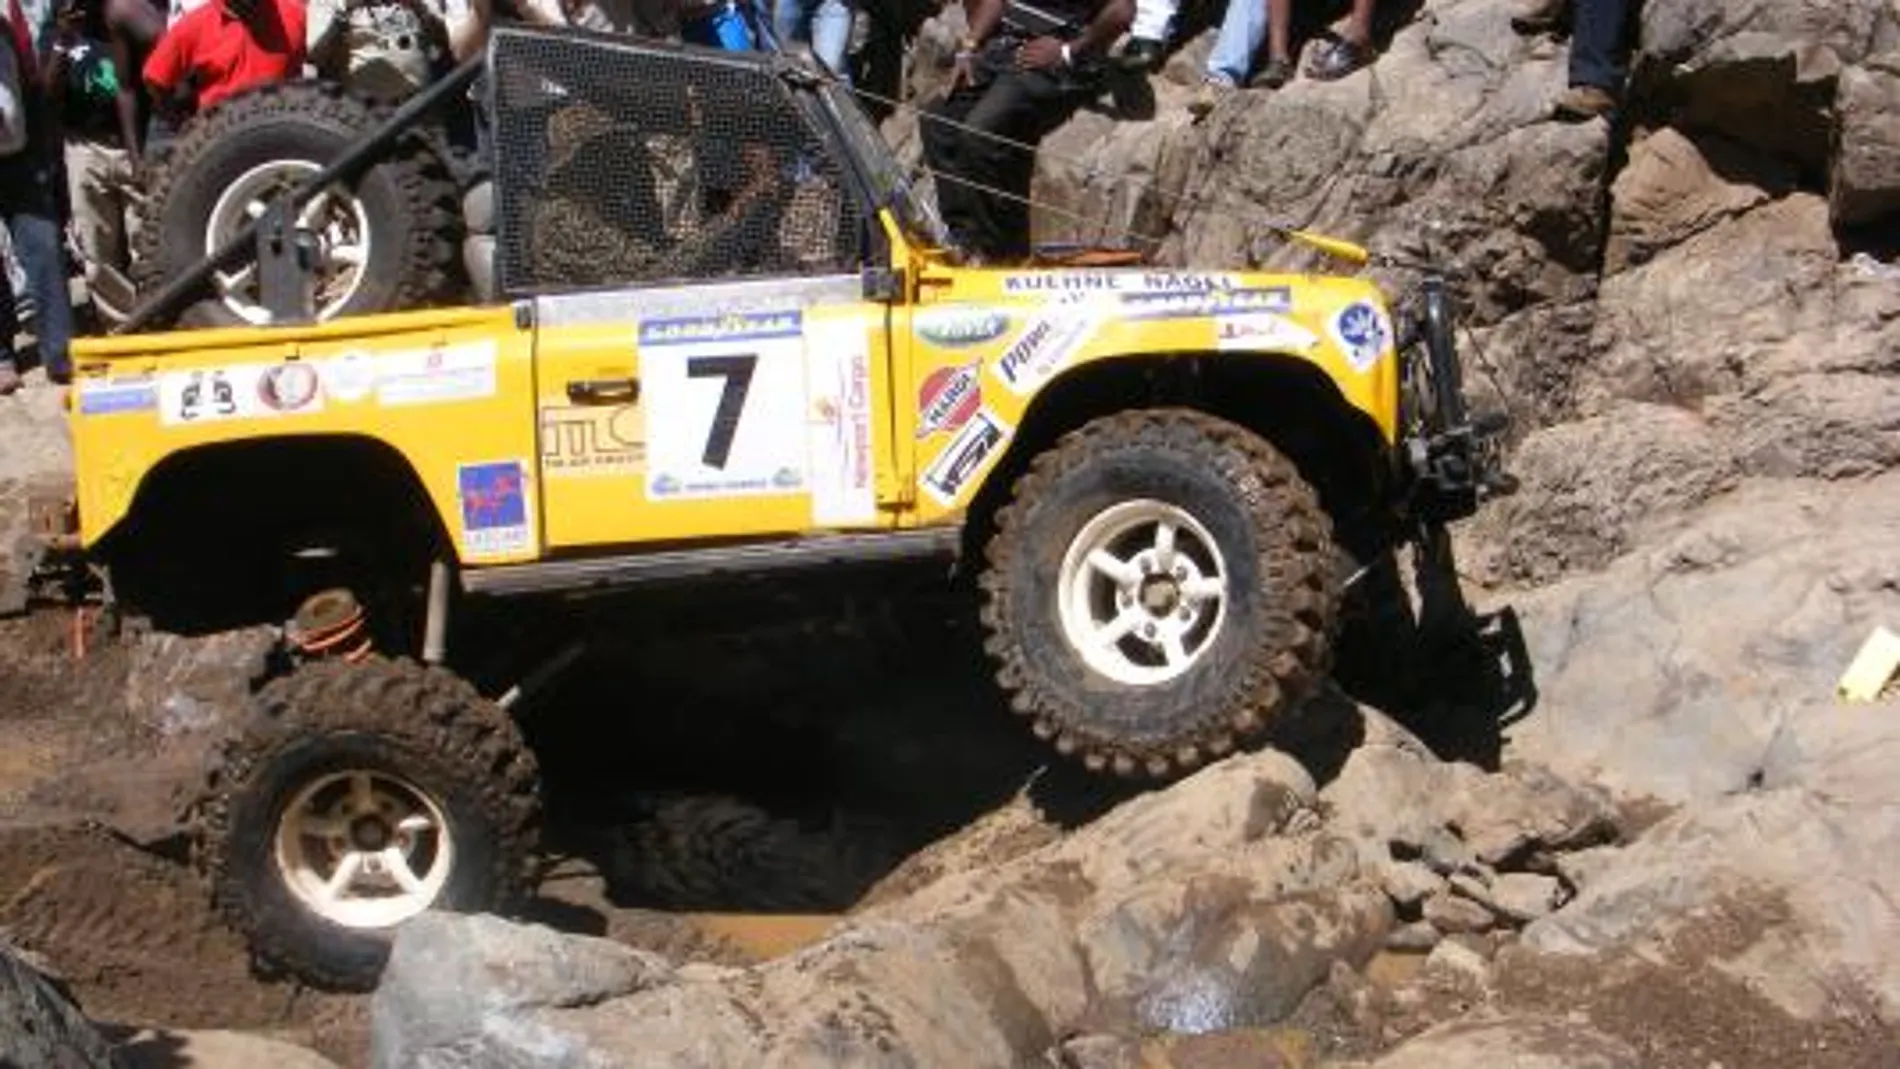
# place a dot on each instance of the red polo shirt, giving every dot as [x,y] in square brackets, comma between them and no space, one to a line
[222,53]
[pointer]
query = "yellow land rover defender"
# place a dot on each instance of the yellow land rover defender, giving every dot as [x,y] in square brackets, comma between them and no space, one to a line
[699,325]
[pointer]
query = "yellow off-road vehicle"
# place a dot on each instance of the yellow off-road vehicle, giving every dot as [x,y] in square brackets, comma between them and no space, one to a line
[715,332]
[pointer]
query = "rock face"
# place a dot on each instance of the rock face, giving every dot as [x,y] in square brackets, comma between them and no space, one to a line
[40,1026]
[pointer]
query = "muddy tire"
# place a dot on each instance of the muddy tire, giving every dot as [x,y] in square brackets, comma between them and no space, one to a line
[392,237]
[1146,653]
[359,796]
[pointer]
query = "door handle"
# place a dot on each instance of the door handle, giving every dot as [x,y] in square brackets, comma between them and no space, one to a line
[603,391]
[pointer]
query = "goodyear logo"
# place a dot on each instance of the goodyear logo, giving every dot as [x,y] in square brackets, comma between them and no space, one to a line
[956,328]
[682,329]
[1278,299]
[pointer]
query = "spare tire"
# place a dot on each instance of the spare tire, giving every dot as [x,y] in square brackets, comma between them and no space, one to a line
[390,239]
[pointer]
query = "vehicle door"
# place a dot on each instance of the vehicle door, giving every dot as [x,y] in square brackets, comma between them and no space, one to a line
[706,363]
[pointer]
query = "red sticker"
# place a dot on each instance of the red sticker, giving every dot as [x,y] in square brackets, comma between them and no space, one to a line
[948,398]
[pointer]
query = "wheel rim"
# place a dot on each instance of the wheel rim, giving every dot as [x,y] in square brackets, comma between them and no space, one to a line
[364,849]
[337,218]
[1143,592]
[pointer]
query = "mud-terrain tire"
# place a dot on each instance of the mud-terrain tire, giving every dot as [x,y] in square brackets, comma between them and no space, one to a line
[1245,523]
[329,727]
[407,202]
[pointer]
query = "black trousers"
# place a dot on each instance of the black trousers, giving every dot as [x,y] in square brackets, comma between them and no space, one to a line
[983,183]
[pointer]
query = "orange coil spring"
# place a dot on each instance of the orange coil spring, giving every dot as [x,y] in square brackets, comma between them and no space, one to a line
[331,625]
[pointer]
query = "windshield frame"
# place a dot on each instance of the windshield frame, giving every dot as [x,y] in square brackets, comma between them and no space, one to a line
[883,177]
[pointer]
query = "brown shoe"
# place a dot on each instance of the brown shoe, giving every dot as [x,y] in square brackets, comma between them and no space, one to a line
[1585,102]
[9,378]
[1538,16]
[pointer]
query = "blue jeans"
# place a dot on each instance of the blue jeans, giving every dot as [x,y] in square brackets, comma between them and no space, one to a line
[42,254]
[824,24]
[1242,30]
[1596,41]
[727,28]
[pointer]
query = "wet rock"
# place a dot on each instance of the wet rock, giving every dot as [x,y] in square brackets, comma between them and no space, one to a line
[1866,170]
[1519,1041]
[1409,883]
[1450,913]
[41,1026]
[176,1049]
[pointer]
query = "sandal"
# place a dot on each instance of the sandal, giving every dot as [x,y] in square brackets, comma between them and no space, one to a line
[1275,74]
[1338,58]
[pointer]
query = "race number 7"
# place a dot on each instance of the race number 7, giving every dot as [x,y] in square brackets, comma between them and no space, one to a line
[736,370]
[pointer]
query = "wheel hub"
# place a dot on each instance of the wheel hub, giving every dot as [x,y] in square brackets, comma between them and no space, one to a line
[1142,592]
[364,849]
[336,217]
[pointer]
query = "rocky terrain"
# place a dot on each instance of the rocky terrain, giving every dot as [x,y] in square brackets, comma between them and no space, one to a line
[1671,847]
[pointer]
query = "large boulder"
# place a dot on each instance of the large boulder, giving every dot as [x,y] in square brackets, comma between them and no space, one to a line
[1512,1041]
[41,1026]
[1866,171]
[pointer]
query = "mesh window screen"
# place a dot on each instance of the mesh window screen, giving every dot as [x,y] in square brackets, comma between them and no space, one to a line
[621,162]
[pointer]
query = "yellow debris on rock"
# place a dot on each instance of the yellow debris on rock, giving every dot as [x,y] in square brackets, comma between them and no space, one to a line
[1872,668]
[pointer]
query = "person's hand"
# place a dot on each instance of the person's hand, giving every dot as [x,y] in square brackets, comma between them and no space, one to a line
[1039,53]
[962,71]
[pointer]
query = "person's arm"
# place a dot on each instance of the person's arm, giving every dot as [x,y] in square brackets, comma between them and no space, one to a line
[164,74]
[980,19]
[467,35]
[1110,20]
[131,25]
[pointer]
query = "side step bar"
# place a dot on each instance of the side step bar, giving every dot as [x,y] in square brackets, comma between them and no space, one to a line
[599,574]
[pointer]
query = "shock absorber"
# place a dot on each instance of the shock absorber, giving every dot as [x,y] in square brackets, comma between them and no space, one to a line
[330,624]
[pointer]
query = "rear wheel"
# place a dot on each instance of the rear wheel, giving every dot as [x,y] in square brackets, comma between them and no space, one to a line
[1160,588]
[359,796]
[389,239]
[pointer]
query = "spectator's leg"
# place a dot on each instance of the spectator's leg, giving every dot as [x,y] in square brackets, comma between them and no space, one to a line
[1596,71]
[36,236]
[93,176]
[881,61]
[946,154]
[1242,29]
[726,28]
[9,335]
[1148,35]
[1021,107]
[791,20]
[831,34]
[1348,52]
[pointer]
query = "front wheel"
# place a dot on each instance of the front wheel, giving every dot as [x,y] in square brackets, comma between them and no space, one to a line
[360,796]
[1161,587]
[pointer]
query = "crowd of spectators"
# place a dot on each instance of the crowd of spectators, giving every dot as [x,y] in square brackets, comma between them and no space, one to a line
[88,88]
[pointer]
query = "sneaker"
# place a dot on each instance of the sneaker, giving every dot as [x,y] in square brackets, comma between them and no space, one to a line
[1538,16]
[9,378]
[1275,74]
[1585,102]
[1209,96]
[1338,58]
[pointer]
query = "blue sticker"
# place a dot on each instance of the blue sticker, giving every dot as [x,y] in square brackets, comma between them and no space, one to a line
[1361,331]
[112,397]
[494,506]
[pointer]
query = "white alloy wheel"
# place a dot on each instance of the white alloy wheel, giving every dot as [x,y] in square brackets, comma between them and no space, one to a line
[1142,592]
[364,850]
[337,218]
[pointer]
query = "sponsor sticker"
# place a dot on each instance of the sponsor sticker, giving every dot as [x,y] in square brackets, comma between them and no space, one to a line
[1278,299]
[948,398]
[494,499]
[349,376]
[1127,281]
[1261,331]
[1044,347]
[1362,333]
[115,396]
[960,328]
[205,395]
[736,326]
[587,440]
[442,373]
[964,459]
[838,434]
[290,387]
